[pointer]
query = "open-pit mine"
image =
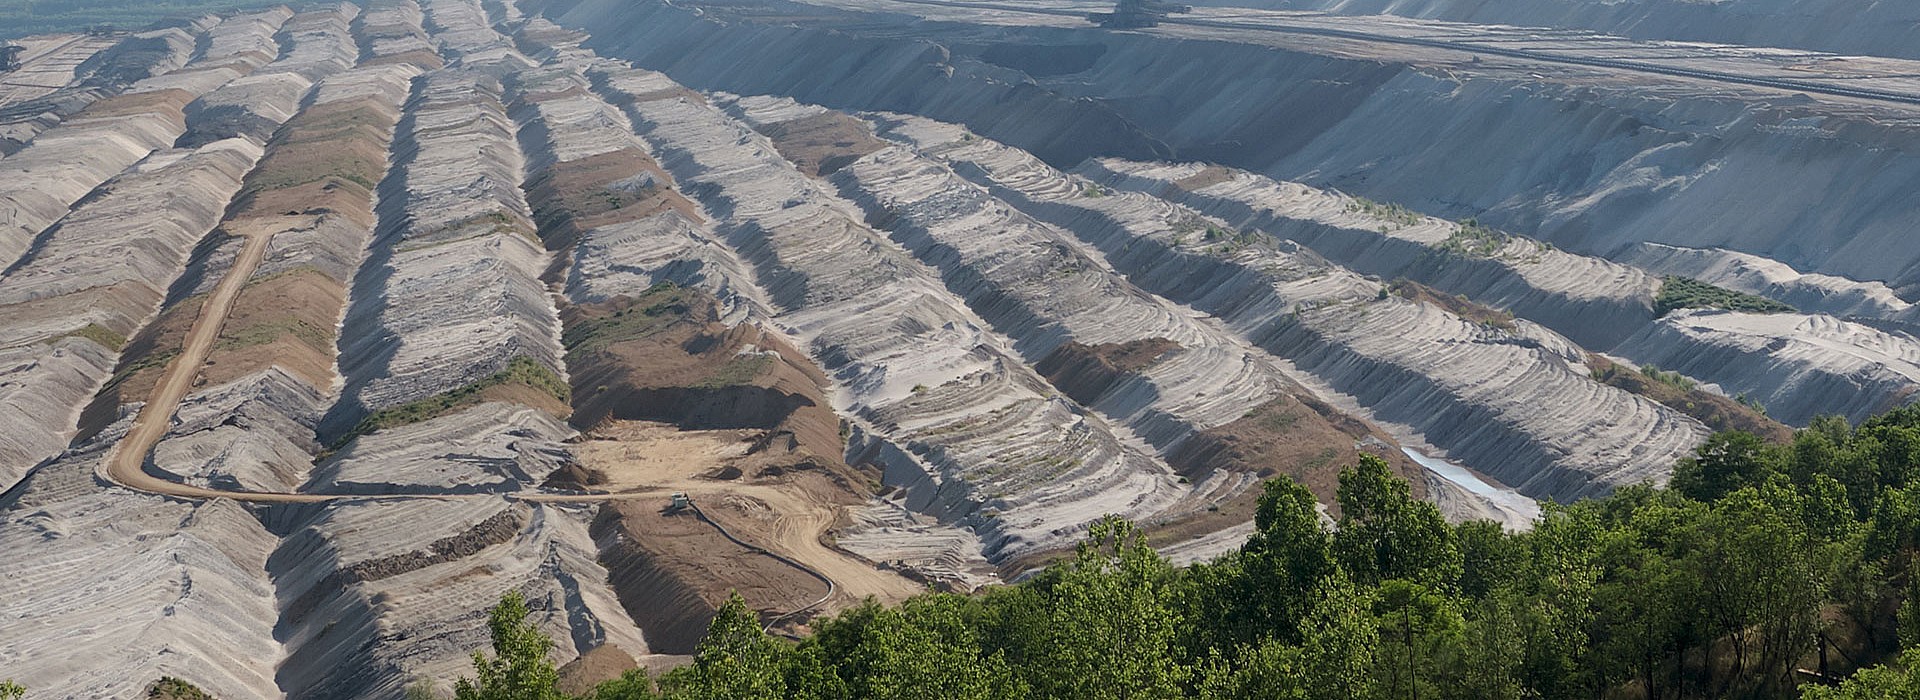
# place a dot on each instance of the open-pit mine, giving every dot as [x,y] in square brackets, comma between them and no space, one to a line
[323,327]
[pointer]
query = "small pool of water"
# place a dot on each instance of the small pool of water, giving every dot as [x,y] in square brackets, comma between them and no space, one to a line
[1521,508]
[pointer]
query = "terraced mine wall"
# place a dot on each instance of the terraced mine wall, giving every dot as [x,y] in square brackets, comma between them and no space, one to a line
[1797,366]
[1460,384]
[1599,171]
[1880,29]
[350,598]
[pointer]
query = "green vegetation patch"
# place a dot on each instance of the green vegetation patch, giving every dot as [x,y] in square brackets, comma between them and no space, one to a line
[1393,213]
[96,333]
[742,369]
[170,688]
[653,311]
[522,370]
[1687,293]
[263,333]
[1474,240]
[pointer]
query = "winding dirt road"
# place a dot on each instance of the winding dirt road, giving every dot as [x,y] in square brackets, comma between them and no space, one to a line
[795,531]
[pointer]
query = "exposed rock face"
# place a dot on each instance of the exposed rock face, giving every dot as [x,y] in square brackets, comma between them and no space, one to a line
[106,590]
[1590,300]
[1798,366]
[95,277]
[61,166]
[54,84]
[1485,394]
[451,292]
[1602,167]
[1882,29]
[376,595]
[958,420]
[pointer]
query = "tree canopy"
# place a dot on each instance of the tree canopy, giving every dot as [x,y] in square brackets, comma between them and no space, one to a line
[1765,571]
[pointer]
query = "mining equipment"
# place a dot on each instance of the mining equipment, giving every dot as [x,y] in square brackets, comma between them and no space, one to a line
[678,502]
[10,57]
[1137,14]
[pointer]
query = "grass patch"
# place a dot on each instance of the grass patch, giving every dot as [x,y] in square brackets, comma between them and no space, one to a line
[170,688]
[1392,213]
[653,311]
[742,369]
[1687,293]
[1679,393]
[1474,240]
[96,333]
[264,333]
[521,370]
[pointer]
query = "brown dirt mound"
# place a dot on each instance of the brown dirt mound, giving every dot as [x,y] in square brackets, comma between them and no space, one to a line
[1207,177]
[600,664]
[1718,412]
[171,102]
[1085,372]
[286,320]
[1455,304]
[823,143]
[672,572]
[1307,441]
[663,357]
[596,191]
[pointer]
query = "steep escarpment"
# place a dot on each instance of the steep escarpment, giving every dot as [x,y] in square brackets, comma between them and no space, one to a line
[450,294]
[92,281]
[189,595]
[1881,29]
[1797,366]
[1601,167]
[71,83]
[1493,397]
[1109,345]
[960,425]
[1590,300]
[59,167]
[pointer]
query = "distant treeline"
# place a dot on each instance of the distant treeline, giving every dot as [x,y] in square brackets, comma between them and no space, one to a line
[26,17]
[1763,571]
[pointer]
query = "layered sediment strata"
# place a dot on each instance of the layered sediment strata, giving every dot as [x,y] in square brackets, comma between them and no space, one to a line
[1798,366]
[376,596]
[108,590]
[1513,403]
[451,293]
[1115,348]
[1592,301]
[316,44]
[92,280]
[64,164]
[270,376]
[52,85]
[1610,158]
[960,423]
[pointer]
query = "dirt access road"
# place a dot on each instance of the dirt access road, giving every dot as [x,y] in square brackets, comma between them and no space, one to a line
[795,518]
[786,515]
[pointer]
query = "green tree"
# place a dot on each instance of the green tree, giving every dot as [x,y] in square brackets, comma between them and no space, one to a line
[1100,624]
[1726,463]
[1385,533]
[632,685]
[1267,671]
[735,661]
[1341,638]
[1266,588]
[520,669]
[1889,682]
[10,690]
